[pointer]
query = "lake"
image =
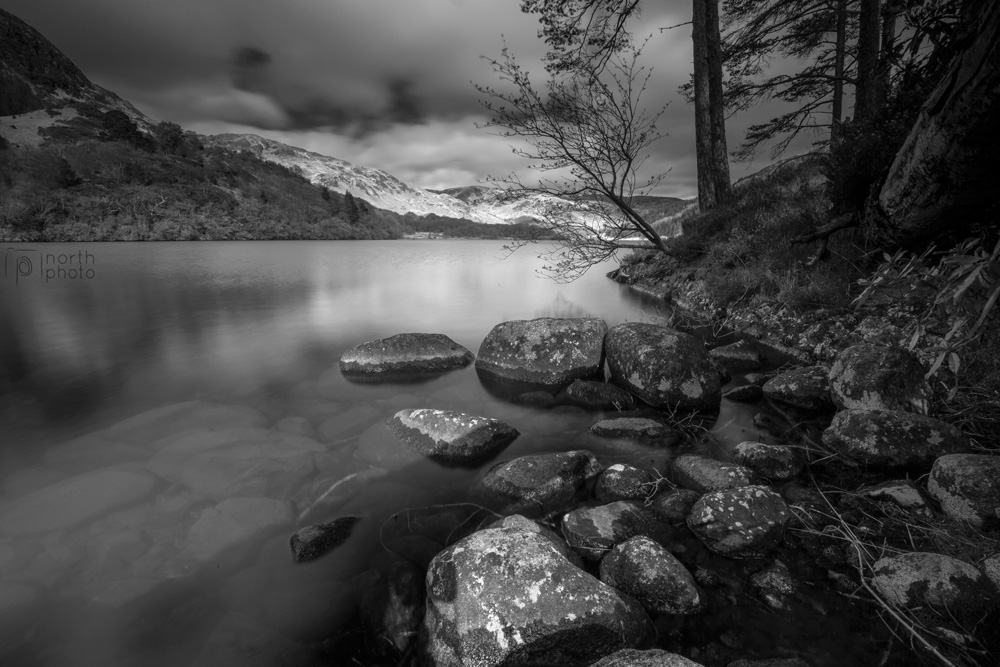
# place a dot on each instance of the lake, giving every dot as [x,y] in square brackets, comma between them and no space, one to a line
[114,551]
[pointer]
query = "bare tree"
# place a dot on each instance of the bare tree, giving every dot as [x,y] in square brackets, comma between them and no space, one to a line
[588,134]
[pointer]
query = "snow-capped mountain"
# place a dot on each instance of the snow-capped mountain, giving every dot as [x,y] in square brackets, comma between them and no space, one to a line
[383,190]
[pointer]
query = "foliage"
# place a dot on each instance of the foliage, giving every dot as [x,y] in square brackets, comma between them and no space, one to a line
[964,286]
[587,133]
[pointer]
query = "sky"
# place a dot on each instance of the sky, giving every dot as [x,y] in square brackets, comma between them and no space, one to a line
[380,83]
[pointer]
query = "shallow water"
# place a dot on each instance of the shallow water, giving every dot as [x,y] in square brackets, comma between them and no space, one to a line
[259,326]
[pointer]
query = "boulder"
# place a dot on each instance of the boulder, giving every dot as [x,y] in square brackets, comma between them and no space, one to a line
[805,388]
[348,423]
[506,596]
[884,438]
[624,482]
[675,505]
[74,501]
[640,429]
[774,586]
[968,488]
[297,426]
[403,356]
[237,462]
[538,485]
[630,657]
[310,542]
[653,576]
[775,463]
[391,608]
[663,367]
[597,395]
[593,531]
[746,393]
[745,522]
[545,353]
[451,438]
[233,523]
[877,377]
[240,640]
[702,474]
[737,357]
[945,584]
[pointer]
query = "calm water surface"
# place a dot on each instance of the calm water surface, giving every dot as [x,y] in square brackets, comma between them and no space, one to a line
[255,325]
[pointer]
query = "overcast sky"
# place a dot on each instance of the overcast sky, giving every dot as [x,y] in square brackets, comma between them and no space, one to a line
[382,83]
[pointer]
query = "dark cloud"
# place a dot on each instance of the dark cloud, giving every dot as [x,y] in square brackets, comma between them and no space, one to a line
[392,80]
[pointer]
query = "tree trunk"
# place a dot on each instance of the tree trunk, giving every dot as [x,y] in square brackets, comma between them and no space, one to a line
[869,27]
[948,164]
[714,185]
[838,68]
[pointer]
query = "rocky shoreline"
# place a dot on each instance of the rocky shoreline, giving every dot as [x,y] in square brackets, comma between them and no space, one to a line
[855,502]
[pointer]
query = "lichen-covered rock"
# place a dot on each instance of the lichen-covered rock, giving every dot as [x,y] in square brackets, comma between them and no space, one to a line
[538,485]
[597,395]
[745,522]
[877,377]
[654,657]
[968,488]
[545,352]
[593,531]
[506,596]
[624,482]
[943,583]
[901,492]
[675,505]
[406,354]
[452,438]
[886,438]
[703,474]
[663,367]
[310,542]
[805,388]
[640,429]
[653,576]
[739,356]
[776,463]
[747,393]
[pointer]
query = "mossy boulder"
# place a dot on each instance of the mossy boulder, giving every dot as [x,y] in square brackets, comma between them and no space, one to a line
[968,488]
[944,584]
[664,367]
[406,354]
[593,531]
[879,377]
[645,570]
[746,522]
[704,474]
[776,463]
[538,485]
[806,388]
[451,438]
[891,439]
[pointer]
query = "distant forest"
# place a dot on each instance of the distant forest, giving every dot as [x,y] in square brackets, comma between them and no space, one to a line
[103,179]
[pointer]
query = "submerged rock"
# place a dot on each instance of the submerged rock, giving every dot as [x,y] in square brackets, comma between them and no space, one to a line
[640,429]
[232,523]
[310,542]
[402,355]
[943,583]
[392,608]
[877,377]
[746,522]
[653,576]
[593,531]
[804,388]
[597,395]
[153,425]
[663,367]
[545,353]
[506,596]
[451,438]
[74,501]
[774,586]
[885,438]
[538,485]
[968,488]
[702,474]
